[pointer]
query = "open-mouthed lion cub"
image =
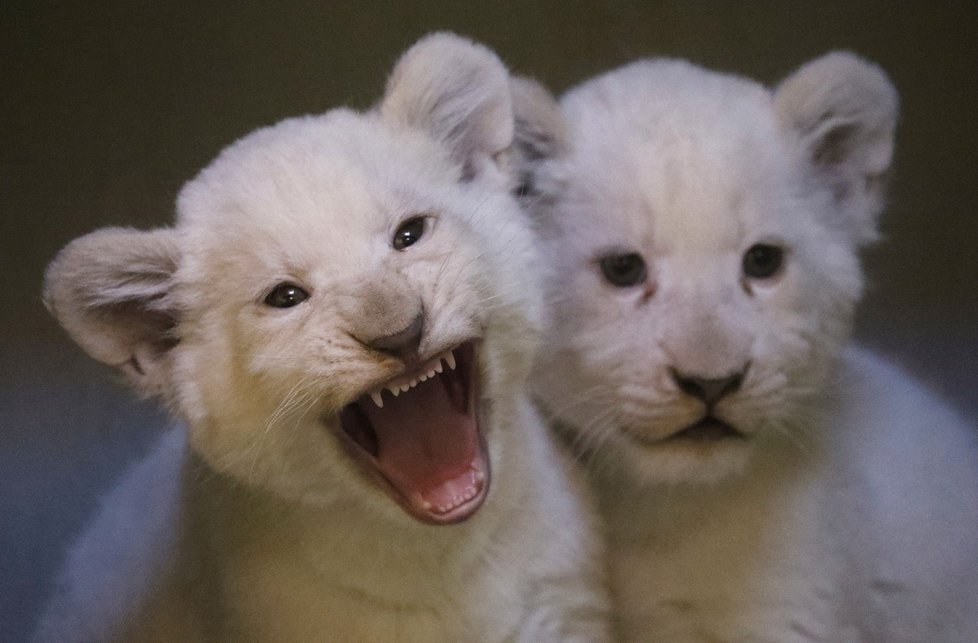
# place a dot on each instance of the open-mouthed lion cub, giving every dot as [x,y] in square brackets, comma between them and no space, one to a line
[762,481]
[342,316]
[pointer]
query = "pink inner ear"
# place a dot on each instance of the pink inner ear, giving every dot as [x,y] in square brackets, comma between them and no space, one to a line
[835,145]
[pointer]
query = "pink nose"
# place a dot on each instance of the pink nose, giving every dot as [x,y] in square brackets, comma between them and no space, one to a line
[709,390]
[403,343]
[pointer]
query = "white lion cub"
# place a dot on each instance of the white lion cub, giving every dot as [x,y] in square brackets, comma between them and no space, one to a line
[762,480]
[343,317]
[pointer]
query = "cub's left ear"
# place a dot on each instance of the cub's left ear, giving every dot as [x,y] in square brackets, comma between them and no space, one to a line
[458,92]
[842,110]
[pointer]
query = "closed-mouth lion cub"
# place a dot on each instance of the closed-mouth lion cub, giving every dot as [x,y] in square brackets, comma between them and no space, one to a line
[343,318]
[762,480]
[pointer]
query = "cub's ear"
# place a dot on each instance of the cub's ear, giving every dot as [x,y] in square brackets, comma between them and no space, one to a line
[111,291]
[541,133]
[458,92]
[842,111]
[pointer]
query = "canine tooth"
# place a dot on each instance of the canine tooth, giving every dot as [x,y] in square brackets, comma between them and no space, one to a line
[450,360]
[377,398]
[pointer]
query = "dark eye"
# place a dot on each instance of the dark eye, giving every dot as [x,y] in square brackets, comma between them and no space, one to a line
[623,270]
[286,295]
[409,233]
[762,261]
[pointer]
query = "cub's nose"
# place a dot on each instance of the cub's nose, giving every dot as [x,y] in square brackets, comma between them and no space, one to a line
[709,390]
[402,344]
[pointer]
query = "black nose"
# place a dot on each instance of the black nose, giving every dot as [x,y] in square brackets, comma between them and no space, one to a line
[404,343]
[710,390]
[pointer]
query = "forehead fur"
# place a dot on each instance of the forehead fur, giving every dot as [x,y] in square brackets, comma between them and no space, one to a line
[311,191]
[338,165]
[700,154]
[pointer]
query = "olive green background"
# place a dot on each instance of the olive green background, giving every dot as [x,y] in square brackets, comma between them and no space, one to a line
[106,108]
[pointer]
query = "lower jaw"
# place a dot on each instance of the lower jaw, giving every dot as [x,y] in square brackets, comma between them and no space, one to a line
[681,441]
[684,462]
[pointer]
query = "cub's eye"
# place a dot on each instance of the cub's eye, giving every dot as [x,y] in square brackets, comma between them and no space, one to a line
[409,233]
[286,295]
[623,270]
[763,261]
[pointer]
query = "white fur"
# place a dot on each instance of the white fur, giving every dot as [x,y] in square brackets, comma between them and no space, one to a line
[848,512]
[258,525]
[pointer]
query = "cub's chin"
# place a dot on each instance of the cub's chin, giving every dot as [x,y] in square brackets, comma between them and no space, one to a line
[707,450]
[419,437]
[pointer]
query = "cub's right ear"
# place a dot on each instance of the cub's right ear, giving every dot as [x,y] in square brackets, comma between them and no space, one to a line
[541,133]
[111,290]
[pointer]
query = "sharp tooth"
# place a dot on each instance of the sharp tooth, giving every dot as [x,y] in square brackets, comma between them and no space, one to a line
[450,360]
[395,390]
[377,398]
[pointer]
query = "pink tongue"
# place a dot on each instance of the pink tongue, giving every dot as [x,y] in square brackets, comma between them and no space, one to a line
[426,447]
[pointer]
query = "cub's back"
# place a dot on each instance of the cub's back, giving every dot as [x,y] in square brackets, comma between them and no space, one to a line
[119,559]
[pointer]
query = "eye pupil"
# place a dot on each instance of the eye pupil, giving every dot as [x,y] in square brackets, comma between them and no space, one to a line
[286,295]
[762,261]
[408,233]
[623,270]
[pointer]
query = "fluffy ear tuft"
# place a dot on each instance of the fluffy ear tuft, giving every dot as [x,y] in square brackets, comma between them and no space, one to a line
[842,111]
[111,291]
[458,92]
[541,133]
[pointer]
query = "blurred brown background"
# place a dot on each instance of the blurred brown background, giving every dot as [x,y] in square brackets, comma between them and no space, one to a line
[107,107]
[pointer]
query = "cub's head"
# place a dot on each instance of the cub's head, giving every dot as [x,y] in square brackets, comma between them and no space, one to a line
[341,313]
[703,234]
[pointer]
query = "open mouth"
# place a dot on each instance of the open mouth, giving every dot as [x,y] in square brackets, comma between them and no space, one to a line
[420,432]
[708,429]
